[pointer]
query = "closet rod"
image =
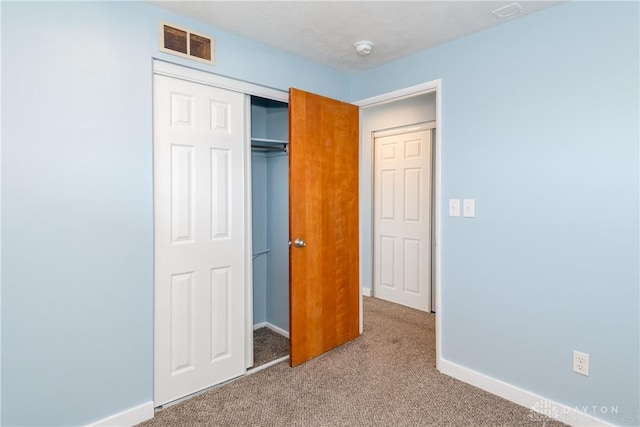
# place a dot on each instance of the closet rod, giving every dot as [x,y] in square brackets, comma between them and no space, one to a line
[282,148]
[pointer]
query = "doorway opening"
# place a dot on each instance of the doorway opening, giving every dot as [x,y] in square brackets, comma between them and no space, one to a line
[402,217]
[410,105]
[306,180]
[270,230]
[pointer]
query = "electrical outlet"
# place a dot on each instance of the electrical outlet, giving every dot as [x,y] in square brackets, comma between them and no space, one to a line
[581,363]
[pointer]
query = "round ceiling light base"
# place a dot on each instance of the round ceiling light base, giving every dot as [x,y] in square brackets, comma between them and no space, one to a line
[363,47]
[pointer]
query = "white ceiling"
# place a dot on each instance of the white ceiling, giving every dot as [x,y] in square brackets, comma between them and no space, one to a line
[324,31]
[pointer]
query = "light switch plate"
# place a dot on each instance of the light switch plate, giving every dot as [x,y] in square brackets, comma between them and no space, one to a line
[469,208]
[454,207]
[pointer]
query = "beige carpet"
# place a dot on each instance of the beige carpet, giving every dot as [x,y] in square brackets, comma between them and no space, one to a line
[386,377]
[267,346]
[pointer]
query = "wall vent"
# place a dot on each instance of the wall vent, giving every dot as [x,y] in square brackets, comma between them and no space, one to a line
[186,43]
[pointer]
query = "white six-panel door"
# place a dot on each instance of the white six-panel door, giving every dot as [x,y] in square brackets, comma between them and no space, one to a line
[402,219]
[199,237]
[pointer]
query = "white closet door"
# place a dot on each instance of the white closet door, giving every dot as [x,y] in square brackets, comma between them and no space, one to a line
[402,219]
[199,237]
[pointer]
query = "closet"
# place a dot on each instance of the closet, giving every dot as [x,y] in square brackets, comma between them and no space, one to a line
[270,228]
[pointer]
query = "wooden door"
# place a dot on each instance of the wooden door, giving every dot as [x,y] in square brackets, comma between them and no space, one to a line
[199,237]
[323,211]
[402,219]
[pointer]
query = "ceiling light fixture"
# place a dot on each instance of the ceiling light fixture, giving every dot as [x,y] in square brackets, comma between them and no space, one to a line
[363,47]
[508,11]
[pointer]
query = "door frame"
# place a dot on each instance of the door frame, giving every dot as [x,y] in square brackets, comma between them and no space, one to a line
[169,69]
[429,125]
[366,158]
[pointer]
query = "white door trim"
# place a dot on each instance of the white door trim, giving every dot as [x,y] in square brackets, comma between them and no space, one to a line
[396,256]
[420,89]
[400,94]
[404,129]
[222,82]
[248,231]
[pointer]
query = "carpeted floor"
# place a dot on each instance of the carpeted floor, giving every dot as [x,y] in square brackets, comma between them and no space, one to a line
[386,377]
[267,346]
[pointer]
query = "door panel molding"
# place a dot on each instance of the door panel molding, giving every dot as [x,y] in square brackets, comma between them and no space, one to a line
[402,218]
[199,247]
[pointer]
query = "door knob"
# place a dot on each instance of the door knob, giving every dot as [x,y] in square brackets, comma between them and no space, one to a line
[300,243]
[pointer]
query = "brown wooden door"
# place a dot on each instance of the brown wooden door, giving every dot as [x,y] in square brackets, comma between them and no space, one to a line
[323,211]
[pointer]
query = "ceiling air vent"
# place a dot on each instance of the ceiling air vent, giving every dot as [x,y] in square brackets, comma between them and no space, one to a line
[186,43]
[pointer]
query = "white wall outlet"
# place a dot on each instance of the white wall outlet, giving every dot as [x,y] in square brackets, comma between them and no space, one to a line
[454,207]
[581,363]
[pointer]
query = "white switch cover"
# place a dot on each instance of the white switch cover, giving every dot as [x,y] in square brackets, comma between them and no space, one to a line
[454,207]
[469,208]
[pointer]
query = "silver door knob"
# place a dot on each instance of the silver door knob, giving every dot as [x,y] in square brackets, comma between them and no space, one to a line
[300,243]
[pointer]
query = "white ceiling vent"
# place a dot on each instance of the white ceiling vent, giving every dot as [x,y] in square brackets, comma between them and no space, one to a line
[186,43]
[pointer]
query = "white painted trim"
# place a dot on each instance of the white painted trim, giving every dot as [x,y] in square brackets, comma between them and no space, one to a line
[273,327]
[366,292]
[360,270]
[536,403]
[404,129]
[248,256]
[129,417]
[259,325]
[1,224]
[438,220]
[361,161]
[277,330]
[267,365]
[185,73]
[397,95]
[428,162]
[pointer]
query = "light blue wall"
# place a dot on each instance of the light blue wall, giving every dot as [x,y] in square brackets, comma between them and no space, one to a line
[278,229]
[77,247]
[259,199]
[540,124]
[409,111]
[77,219]
[278,121]
[259,235]
[278,217]
[270,198]
[0,222]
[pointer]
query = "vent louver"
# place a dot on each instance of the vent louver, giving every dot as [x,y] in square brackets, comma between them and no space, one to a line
[185,43]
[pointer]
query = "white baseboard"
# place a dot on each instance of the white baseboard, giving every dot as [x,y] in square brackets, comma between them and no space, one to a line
[275,329]
[271,326]
[259,325]
[366,292]
[537,404]
[129,417]
[266,365]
